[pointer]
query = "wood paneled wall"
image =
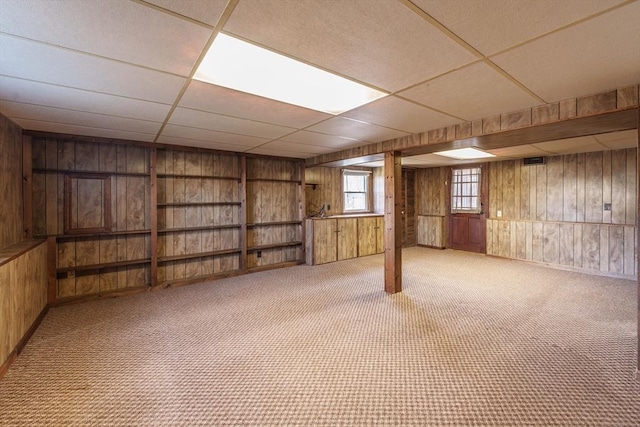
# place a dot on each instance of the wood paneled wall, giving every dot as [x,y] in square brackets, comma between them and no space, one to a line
[431,191]
[23,296]
[275,208]
[11,224]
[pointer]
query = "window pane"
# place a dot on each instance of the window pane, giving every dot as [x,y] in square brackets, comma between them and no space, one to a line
[465,188]
[354,183]
[355,201]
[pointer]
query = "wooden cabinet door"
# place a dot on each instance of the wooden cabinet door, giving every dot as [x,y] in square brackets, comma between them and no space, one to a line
[347,238]
[367,238]
[380,235]
[324,241]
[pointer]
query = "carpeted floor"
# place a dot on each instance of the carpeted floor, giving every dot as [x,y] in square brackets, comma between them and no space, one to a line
[472,340]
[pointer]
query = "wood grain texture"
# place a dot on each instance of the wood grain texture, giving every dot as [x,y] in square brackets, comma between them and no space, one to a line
[627,97]
[347,230]
[393,222]
[11,220]
[545,113]
[515,120]
[597,103]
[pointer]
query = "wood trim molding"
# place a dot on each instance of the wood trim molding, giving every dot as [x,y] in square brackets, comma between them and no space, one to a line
[27,187]
[20,346]
[392,223]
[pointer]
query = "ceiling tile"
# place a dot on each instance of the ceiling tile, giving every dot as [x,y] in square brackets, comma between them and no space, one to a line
[476,21]
[322,140]
[202,120]
[518,151]
[241,141]
[619,140]
[349,128]
[473,92]
[16,110]
[591,57]
[119,29]
[35,61]
[201,144]
[403,115]
[82,130]
[582,144]
[18,90]
[206,11]
[378,42]
[217,99]
[279,153]
[296,148]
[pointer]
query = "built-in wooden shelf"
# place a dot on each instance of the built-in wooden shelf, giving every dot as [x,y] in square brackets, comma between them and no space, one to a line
[273,180]
[61,237]
[179,204]
[14,251]
[273,246]
[198,228]
[265,224]
[104,265]
[198,255]
[106,173]
[177,175]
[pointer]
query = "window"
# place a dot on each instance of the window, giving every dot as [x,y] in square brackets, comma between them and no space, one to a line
[465,191]
[355,185]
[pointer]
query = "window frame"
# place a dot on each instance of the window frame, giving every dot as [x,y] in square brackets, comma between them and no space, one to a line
[367,174]
[478,210]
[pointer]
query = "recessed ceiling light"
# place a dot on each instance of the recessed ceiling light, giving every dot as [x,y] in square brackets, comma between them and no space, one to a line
[465,154]
[242,66]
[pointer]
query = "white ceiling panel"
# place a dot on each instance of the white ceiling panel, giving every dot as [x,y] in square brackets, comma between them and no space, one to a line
[378,42]
[26,91]
[200,144]
[583,144]
[279,153]
[399,114]
[355,129]
[296,148]
[36,61]
[600,54]
[619,140]
[217,99]
[476,21]
[206,11]
[322,140]
[119,29]
[82,130]
[241,141]
[518,151]
[202,120]
[473,92]
[19,110]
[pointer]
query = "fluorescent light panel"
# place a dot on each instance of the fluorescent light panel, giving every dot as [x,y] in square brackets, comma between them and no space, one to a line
[465,154]
[242,66]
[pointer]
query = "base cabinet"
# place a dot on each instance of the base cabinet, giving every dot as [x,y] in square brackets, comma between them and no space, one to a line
[336,239]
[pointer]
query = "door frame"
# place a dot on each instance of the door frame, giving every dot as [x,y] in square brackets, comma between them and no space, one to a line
[484,200]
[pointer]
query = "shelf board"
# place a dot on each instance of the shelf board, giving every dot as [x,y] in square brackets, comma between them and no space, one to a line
[175,175]
[60,237]
[198,255]
[199,204]
[106,173]
[273,246]
[273,180]
[265,224]
[104,265]
[204,227]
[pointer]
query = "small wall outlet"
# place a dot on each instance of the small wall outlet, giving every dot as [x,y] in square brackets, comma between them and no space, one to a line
[328,207]
[607,206]
[499,214]
[259,254]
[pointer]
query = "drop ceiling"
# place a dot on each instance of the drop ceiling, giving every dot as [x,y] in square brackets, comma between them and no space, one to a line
[123,68]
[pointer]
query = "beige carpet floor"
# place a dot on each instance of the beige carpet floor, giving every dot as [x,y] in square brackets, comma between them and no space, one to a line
[472,340]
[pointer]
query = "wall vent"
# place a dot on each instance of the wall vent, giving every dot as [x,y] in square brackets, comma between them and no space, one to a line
[529,161]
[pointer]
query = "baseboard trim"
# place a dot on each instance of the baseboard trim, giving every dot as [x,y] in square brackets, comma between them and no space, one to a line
[20,346]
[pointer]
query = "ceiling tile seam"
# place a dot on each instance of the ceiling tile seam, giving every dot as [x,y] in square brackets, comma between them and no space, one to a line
[463,43]
[436,110]
[83,90]
[562,28]
[80,111]
[93,55]
[238,117]
[223,19]
[301,144]
[219,131]
[295,58]
[77,125]
[174,14]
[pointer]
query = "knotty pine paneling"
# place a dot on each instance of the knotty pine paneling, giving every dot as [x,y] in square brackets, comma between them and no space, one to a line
[23,296]
[433,202]
[11,223]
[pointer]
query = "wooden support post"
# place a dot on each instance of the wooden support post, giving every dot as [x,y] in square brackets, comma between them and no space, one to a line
[243,213]
[52,261]
[301,211]
[392,222]
[153,169]
[27,187]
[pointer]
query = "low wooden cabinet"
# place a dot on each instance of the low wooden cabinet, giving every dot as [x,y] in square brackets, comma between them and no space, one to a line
[336,238]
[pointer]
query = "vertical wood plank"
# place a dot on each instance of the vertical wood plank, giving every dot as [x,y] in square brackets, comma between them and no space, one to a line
[618,187]
[593,185]
[631,199]
[153,209]
[577,245]
[570,201]
[606,185]
[541,192]
[537,244]
[27,187]
[393,222]
[604,247]
[551,251]
[580,187]
[629,250]
[554,185]
[243,213]
[591,246]
[566,244]
[616,249]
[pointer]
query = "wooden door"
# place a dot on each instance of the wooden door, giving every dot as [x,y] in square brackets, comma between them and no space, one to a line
[347,238]
[367,239]
[408,207]
[324,241]
[467,216]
